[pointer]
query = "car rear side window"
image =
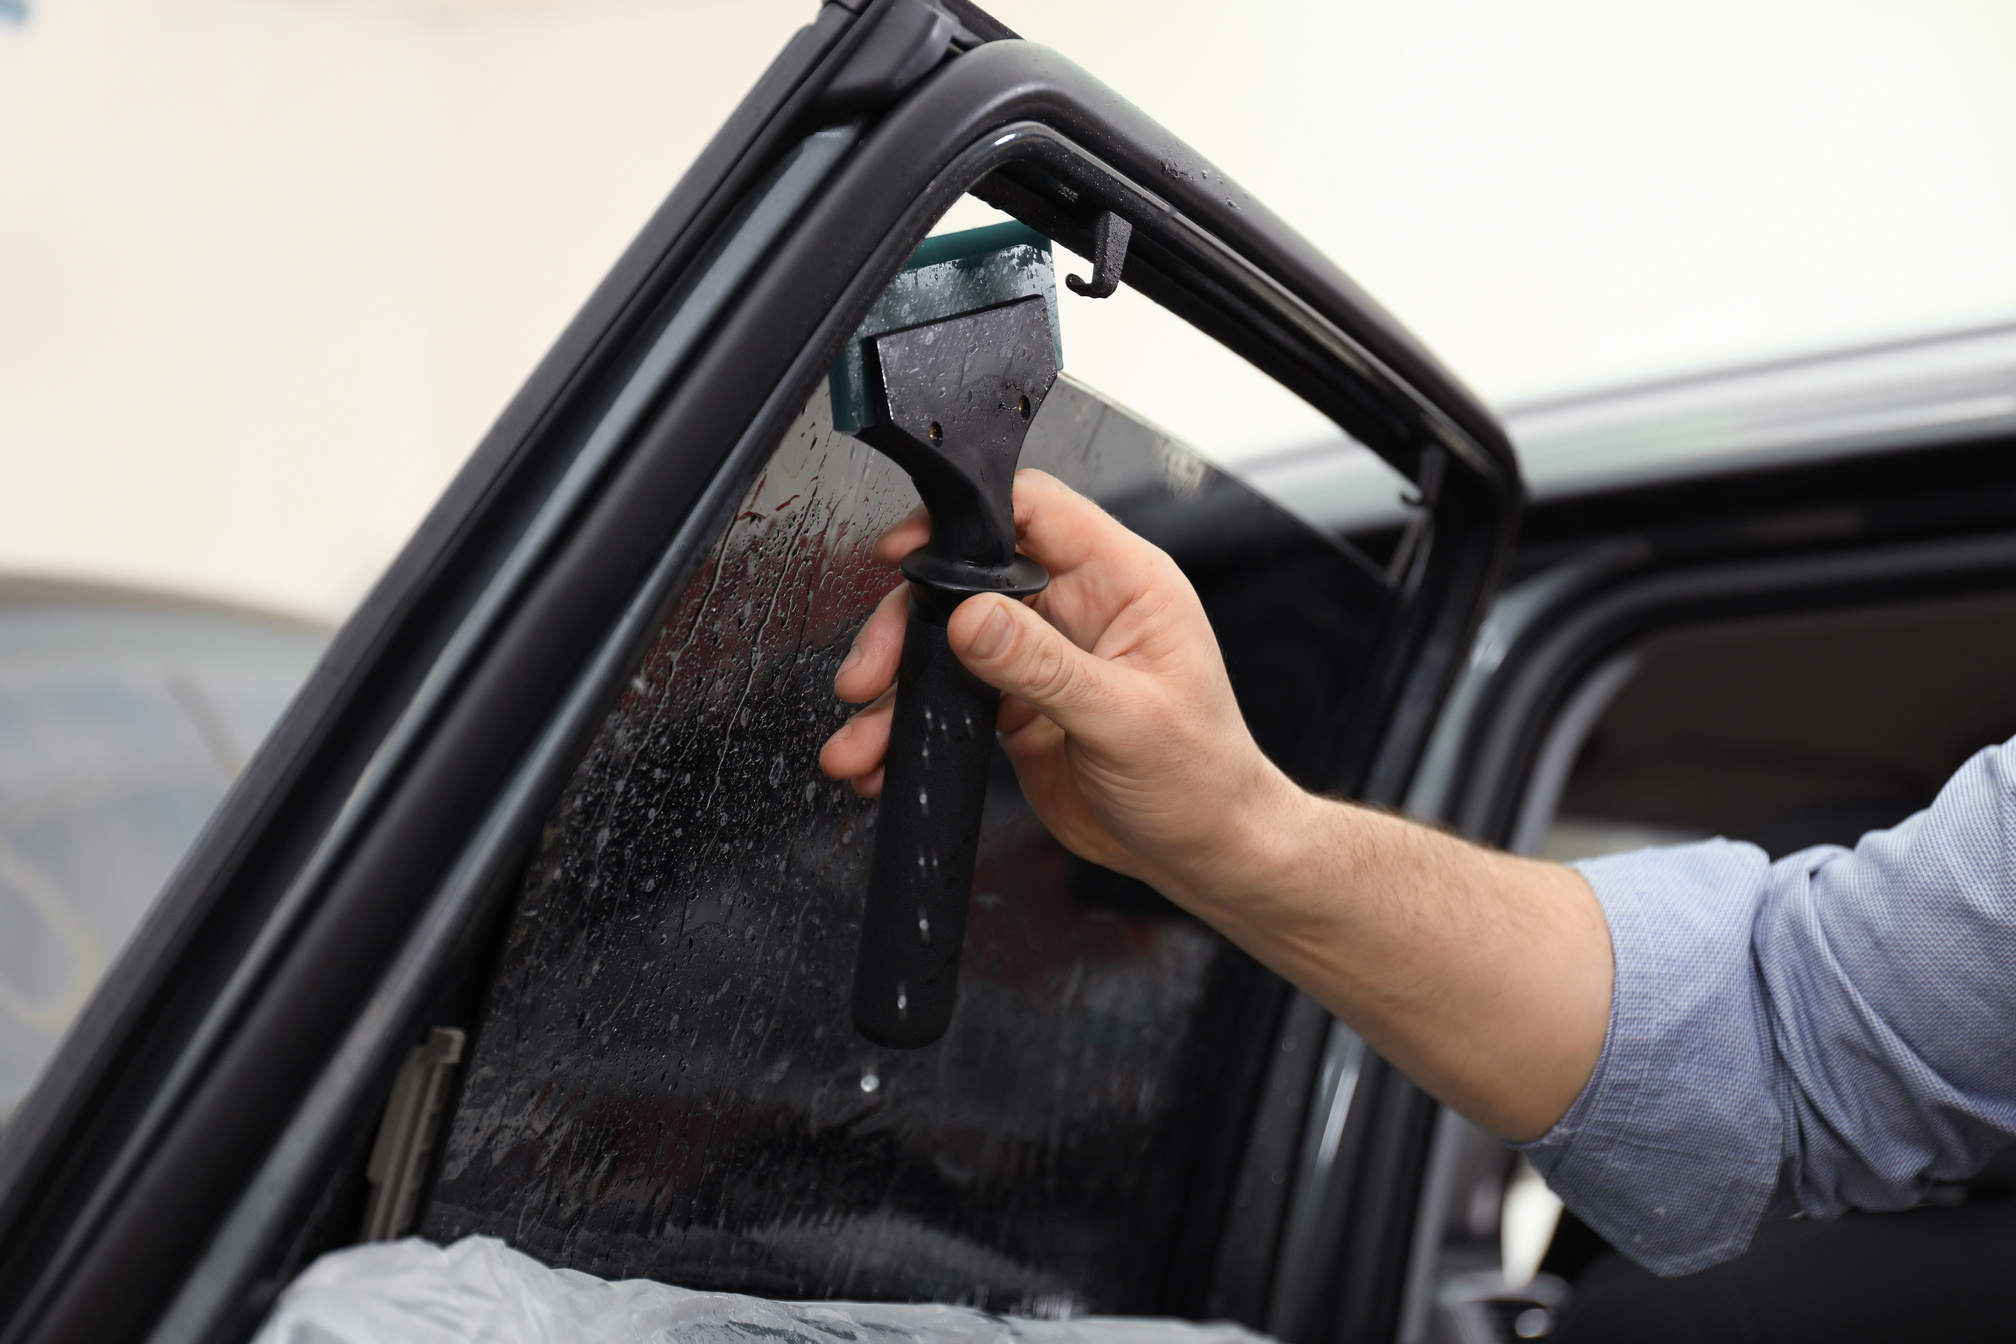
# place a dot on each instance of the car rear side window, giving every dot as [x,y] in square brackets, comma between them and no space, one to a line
[665,1082]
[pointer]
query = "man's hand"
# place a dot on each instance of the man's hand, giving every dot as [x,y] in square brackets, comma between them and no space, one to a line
[1487,978]
[1118,714]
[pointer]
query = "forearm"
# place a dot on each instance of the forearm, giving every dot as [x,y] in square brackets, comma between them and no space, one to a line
[1486,978]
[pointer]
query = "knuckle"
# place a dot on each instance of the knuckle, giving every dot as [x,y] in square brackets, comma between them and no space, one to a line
[1048,672]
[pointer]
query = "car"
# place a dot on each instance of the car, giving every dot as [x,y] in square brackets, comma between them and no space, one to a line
[533,917]
[124,715]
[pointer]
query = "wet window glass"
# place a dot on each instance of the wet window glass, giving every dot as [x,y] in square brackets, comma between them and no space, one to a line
[122,719]
[665,1083]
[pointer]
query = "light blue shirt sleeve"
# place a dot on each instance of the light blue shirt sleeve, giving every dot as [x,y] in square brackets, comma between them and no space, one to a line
[1835,1030]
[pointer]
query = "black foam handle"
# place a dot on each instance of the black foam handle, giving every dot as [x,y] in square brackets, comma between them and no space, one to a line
[927,836]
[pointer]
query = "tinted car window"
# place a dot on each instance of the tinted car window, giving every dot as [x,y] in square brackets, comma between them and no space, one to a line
[122,719]
[665,1082]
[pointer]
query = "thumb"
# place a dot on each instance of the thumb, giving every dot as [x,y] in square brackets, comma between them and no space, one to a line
[1010,647]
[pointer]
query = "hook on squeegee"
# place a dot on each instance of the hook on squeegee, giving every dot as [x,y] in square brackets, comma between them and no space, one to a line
[1109,257]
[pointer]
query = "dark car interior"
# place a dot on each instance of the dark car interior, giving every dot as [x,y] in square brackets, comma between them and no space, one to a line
[1799,731]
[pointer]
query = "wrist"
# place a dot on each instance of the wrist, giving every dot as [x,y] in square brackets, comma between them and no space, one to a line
[1260,864]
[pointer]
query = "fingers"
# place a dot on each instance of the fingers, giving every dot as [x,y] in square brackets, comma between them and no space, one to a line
[1115,608]
[868,672]
[1061,528]
[903,538]
[1053,523]
[1009,646]
[1098,568]
[857,750]
[870,666]
[1015,714]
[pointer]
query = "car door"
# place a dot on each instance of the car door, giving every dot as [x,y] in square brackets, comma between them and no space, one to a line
[546,813]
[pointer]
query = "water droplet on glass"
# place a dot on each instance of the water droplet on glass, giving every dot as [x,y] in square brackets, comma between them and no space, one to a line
[902,1000]
[923,925]
[924,802]
[869,1082]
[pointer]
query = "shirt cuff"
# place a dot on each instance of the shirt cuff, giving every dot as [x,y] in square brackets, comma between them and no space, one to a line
[1673,1150]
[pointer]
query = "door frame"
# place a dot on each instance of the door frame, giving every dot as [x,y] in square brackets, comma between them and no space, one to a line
[150,1185]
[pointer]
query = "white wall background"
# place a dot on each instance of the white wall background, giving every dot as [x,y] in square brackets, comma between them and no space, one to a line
[269,267]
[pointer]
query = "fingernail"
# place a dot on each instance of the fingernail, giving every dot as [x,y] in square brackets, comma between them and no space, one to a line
[995,632]
[853,657]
